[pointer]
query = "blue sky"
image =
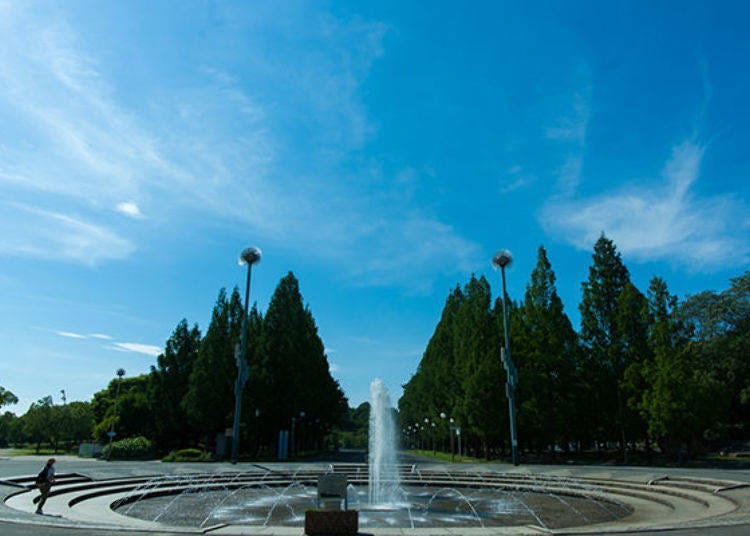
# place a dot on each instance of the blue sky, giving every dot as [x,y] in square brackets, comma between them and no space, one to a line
[383,151]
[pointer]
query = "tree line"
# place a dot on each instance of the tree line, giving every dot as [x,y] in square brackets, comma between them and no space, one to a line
[187,398]
[644,372]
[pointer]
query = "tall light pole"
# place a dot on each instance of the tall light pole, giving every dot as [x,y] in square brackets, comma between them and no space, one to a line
[501,260]
[120,373]
[248,256]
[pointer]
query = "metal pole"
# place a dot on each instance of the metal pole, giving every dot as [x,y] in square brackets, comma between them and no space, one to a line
[292,449]
[241,373]
[120,373]
[450,433]
[433,439]
[512,380]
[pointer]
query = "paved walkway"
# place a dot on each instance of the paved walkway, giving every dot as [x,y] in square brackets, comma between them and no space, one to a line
[16,523]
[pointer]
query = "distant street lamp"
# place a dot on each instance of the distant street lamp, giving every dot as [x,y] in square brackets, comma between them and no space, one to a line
[501,260]
[248,256]
[452,428]
[120,373]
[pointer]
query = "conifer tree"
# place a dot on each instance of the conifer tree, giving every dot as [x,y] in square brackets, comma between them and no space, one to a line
[477,357]
[602,371]
[435,387]
[209,402]
[546,352]
[170,381]
[634,355]
[293,375]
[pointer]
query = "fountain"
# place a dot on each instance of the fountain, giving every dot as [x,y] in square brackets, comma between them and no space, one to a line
[386,495]
[384,483]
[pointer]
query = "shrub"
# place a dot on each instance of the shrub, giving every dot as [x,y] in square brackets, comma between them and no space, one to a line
[188,455]
[131,448]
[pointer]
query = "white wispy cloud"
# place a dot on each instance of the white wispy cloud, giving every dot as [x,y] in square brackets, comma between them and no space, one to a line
[662,220]
[217,146]
[34,232]
[515,179]
[71,335]
[138,348]
[569,129]
[102,336]
[129,209]
[572,125]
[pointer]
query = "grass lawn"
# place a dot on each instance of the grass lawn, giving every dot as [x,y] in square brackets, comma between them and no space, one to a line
[27,450]
[446,457]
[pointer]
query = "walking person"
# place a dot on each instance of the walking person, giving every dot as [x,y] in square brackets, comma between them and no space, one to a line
[44,481]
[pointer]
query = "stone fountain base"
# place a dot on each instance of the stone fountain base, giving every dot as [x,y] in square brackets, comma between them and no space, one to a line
[321,522]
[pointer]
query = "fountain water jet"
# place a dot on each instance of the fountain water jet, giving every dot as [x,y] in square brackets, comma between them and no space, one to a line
[384,485]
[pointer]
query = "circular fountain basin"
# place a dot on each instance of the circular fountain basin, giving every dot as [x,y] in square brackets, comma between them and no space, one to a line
[418,506]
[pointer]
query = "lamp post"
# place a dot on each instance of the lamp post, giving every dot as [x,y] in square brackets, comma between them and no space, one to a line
[120,373]
[248,256]
[452,428]
[501,260]
[432,423]
[292,441]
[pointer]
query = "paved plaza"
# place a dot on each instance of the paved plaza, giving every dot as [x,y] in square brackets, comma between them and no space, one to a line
[723,511]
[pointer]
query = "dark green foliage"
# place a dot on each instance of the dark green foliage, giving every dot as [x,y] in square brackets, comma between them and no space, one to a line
[435,387]
[710,315]
[59,426]
[135,416]
[681,398]
[547,354]
[604,357]
[9,429]
[641,371]
[6,397]
[289,373]
[477,358]
[355,427]
[131,448]
[76,422]
[720,328]
[170,380]
[460,373]
[209,402]
[188,397]
[188,455]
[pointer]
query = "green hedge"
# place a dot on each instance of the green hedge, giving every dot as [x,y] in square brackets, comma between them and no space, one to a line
[188,455]
[131,448]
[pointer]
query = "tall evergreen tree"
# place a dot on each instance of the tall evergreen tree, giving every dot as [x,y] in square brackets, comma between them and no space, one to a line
[209,402]
[170,381]
[435,387]
[477,356]
[634,355]
[293,376]
[602,367]
[546,352]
